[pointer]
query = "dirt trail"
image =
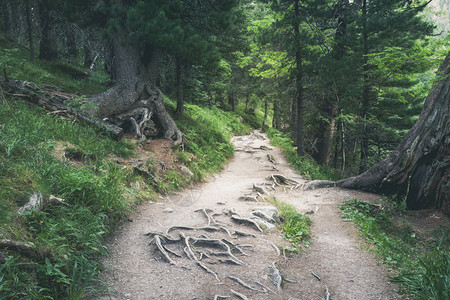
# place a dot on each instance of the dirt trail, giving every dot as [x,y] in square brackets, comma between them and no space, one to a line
[137,270]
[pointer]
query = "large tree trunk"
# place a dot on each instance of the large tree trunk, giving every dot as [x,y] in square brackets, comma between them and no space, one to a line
[420,166]
[135,100]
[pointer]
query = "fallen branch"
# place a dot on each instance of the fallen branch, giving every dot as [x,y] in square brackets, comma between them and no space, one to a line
[53,102]
[22,248]
[38,202]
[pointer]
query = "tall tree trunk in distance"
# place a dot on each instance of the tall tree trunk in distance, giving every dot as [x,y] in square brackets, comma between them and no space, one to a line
[329,108]
[30,29]
[298,81]
[326,131]
[8,20]
[47,45]
[266,108]
[72,48]
[134,98]
[365,95]
[276,115]
[232,100]
[420,166]
[179,83]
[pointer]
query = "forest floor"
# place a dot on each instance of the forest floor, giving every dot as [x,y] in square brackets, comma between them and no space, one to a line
[136,269]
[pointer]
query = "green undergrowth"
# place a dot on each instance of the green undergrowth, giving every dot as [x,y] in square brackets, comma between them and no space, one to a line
[303,165]
[207,131]
[67,238]
[15,61]
[421,263]
[296,227]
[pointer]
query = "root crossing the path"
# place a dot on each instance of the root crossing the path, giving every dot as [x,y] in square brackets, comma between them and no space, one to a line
[208,245]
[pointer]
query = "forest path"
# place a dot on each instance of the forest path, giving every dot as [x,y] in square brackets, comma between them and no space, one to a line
[137,270]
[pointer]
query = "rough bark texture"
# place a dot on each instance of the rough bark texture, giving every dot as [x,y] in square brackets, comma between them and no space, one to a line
[135,92]
[420,166]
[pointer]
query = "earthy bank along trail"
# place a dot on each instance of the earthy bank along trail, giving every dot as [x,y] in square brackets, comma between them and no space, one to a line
[202,244]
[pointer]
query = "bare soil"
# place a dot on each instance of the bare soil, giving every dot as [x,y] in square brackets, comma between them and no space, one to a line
[335,260]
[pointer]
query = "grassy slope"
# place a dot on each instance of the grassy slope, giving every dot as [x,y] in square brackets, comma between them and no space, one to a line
[421,263]
[98,192]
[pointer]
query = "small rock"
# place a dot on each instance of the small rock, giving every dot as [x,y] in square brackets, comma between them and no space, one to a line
[268,213]
[168,210]
[186,171]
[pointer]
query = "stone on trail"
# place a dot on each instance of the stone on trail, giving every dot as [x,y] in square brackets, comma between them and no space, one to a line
[266,215]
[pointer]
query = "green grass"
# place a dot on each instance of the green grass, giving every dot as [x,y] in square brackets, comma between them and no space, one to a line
[296,227]
[421,263]
[303,165]
[207,137]
[18,67]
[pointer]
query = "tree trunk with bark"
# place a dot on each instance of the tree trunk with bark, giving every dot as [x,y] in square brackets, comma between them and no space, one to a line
[329,109]
[179,83]
[298,82]
[135,101]
[47,45]
[30,29]
[419,167]
[8,23]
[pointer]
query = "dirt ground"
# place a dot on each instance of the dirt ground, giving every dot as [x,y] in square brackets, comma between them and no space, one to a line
[335,260]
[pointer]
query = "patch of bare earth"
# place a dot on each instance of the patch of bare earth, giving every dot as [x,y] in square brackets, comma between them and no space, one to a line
[193,245]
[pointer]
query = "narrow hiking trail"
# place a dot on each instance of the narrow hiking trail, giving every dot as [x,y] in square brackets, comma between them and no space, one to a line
[249,266]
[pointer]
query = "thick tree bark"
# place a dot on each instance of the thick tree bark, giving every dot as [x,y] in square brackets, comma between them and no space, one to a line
[47,45]
[135,99]
[419,167]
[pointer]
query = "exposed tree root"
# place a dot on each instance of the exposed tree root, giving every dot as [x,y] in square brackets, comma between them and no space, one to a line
[239,295]
[208,270]
[207,215]
[241,233]
[248,199]
[327,294]
[242,283]
[278,279]
[264,287]
[166,256]
[279,179]
[259,189]
[247,222]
